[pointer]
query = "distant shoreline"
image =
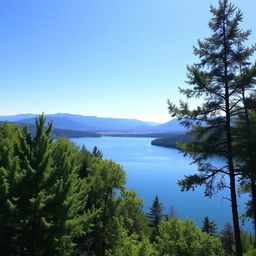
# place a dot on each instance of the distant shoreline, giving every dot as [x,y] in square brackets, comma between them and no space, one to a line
[133,134]
[171,140]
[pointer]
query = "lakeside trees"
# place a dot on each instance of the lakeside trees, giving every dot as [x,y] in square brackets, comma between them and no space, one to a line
[59,199]
[220,78]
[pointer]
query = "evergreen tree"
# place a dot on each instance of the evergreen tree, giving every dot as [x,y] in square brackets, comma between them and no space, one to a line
[216,79]
[209,226]
[10,176]
[155,216]
[227,239]
[41,196]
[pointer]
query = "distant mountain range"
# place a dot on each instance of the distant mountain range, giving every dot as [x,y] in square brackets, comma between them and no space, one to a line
[56,132]
[92,124]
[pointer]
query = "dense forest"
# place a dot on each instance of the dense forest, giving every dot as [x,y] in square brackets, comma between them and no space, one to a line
[59,199]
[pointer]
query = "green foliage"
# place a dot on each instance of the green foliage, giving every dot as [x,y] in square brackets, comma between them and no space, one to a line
[155,216]
[130,245]
[209,226]
[250,252]
[130,211]
[247,242]
[118,210]
[183,238]
[41,197]
[105,180]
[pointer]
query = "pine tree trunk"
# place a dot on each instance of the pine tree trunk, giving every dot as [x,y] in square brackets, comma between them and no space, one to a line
[253,191]
[233,185]
[230,150]
[234,209]
[232,177]
[232,182]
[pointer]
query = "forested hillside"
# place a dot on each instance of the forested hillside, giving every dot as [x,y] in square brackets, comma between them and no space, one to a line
[171,140]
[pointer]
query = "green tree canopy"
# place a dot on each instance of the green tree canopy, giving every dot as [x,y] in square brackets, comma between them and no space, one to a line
[183,238]
[42,198]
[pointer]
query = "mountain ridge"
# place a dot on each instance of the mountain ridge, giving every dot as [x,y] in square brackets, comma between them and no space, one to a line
[99,124]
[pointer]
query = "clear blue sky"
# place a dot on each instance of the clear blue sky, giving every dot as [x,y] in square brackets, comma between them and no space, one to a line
[110,58]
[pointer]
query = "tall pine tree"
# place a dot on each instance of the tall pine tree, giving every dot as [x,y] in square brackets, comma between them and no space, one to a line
[215,79]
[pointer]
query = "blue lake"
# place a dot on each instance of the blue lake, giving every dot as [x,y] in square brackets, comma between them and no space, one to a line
[155,170]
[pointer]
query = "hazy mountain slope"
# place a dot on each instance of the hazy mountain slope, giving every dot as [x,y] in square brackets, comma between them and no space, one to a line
[58,122]
[15,118]
[109,124]
[99,124]
[172,126]
[95,124]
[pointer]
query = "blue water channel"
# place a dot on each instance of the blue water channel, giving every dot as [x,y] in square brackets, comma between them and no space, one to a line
[155,170]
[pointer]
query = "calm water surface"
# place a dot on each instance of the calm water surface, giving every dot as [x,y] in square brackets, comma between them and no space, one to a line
[155,170]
